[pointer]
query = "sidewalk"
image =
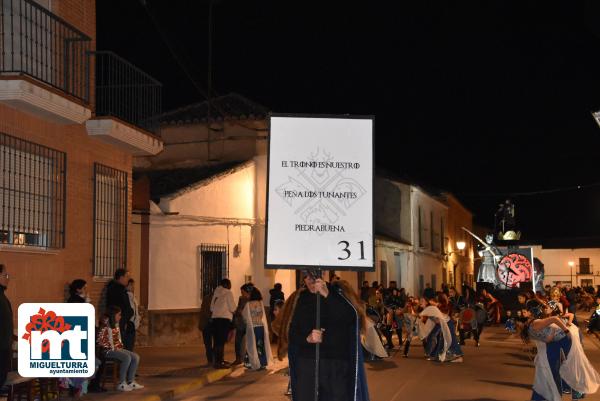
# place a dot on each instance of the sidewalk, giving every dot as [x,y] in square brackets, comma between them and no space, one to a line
[167,372]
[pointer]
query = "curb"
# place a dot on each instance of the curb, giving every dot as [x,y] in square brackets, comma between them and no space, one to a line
[210,377]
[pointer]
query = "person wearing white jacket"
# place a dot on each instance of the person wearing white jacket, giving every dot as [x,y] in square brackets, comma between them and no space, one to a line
[222,308]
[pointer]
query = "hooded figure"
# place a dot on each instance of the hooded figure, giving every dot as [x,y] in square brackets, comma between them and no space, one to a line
[342,321]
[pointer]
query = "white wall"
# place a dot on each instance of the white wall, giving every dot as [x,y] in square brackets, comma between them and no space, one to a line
[231,196]
[411,260]
[392,209]
[174,276]
[398,260]
[427,262]
[224,211]
[134,263]
[556,264]
[402,221]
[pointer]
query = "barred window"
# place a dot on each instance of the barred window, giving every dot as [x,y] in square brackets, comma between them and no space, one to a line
[32,194]
[110,220]
[213,266]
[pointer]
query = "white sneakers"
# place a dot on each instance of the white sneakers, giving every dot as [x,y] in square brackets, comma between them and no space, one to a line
[135,385]
[124,387]
[129,387]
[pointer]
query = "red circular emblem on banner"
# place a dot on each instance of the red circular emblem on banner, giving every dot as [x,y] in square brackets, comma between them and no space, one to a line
[513,269]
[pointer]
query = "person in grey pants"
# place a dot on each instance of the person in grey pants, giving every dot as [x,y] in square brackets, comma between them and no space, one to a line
[109,339]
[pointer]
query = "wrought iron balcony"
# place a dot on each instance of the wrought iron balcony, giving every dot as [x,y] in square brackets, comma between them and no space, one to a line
[128,102]
[126,92]
[37,43]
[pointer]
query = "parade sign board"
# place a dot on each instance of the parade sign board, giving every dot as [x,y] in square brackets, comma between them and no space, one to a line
[320,193]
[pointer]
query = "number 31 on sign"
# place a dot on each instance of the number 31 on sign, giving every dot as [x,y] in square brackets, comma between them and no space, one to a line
[348,253]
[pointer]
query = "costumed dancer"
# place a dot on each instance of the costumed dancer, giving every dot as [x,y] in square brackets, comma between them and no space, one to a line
[341,357]
[493,306]
[281,327]
[594,320]
[258,346]
[440,332]
[455,300]
[432,337]
[410,316]
[371,341]
[511,324]
[557,296]
[561,366]
[471,316]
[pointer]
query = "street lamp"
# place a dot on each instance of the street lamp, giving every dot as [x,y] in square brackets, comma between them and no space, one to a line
[460,245]
[571,264]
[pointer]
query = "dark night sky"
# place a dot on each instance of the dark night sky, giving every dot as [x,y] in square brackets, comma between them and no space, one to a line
[476,97]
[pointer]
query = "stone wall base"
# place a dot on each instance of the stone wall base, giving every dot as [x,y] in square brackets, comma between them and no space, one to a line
[169,328]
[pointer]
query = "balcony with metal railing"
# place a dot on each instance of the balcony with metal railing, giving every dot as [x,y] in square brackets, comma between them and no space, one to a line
[585,270]
[44,65]
[127,101]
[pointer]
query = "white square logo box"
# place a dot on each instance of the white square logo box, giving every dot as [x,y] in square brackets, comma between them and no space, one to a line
[56,340]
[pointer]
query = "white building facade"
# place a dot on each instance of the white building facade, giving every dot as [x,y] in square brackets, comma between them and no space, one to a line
[411,231]
[429,222]
[577,266]
[209,230]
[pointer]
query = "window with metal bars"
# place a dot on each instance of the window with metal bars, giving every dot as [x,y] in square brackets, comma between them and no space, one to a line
[214,266]
[110,220]
[584,266]
[32,194]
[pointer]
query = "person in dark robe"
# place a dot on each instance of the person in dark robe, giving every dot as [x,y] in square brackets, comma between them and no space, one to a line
[341,370]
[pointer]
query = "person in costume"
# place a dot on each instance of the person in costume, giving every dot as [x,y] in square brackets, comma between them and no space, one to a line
[472,316]
[258,346]
[281,327]
[561,366]
[432,336]
[439,331]
[556,295]
[490,255]
[394,304]
[341,370]
[455,300]
[410,316]
[492,305]
[594,320]
[510,324]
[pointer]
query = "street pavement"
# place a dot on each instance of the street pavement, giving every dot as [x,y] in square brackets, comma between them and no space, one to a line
[500,370]
[167,372]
